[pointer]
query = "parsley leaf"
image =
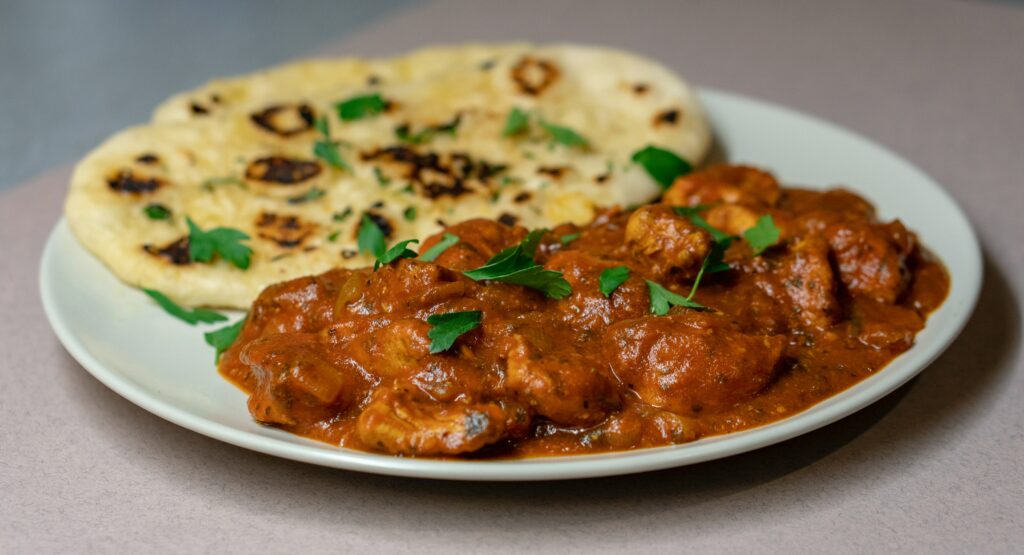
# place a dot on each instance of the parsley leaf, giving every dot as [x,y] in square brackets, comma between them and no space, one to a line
[447,241]
[568,238]
[693,214]
[446,328]
[326,149]
[222,338]
[662,299]
[208,184]
[516,122]
[612,278]
[714,261]
[409,214]
[309,196]
[225,241]
[343,215]
[764,234]
[563,135]
[371,238]
[404,132]
[382,180]
[191,317]
[400,250]
[664,166]
[516,265]
[157,211]
[359,107]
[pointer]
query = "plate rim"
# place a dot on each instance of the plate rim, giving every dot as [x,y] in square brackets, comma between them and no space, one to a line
[819,415]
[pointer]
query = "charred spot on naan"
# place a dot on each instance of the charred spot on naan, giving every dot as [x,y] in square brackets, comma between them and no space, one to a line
[280,170]
[672,116]
[436,175]
[508,219]
[534,75]
[382,221]
[288,231]
[200,109]
[554,172]
[148,158]
[175,252]
[284,120]
[127,182]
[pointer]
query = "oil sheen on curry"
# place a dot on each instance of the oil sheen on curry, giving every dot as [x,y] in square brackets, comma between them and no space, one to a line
[676,324]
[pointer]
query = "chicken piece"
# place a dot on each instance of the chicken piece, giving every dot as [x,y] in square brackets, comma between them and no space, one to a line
[564,386]
[663,427]
[691,361]
[724,184]
[390,286]
[400,425]
[666,241]
[297,305]
[587,307]
[872,258]
[733,219]
[397,350]
[621,430]
[479,240]
[816,210]
[292,383]
[809,281]
[886,326]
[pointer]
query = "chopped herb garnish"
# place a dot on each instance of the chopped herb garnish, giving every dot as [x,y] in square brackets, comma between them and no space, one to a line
[764,234]
[343,215]
[310,195]
[225,241]
[516,265]
[693,214]
[382,179]
[326,149]
[212,182]
[408,189]
[191,317]
[568,238]
[400,250]
[662,165]
[404,132]
[157,212]
[563,135]
[371,238]
[410,214]
[447,241]
[714,261]
[662,299]
[222,338]
[446,328]
[516,122]
[333,236]
[359,107]
[612,278]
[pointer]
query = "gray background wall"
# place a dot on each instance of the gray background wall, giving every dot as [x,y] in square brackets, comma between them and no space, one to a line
[72,72]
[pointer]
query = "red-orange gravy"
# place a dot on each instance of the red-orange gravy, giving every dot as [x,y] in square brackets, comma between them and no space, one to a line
[344,357]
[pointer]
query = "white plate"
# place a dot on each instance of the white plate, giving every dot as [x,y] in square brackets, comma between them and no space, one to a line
[163,365]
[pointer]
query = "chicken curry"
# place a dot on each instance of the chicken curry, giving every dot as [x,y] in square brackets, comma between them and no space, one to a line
[731,303]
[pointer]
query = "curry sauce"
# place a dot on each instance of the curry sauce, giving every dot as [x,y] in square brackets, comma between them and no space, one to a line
[345,356]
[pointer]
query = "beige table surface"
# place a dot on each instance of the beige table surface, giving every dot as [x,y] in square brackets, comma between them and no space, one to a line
[936,467]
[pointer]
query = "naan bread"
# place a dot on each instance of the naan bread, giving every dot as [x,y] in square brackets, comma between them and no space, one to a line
[239,153]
